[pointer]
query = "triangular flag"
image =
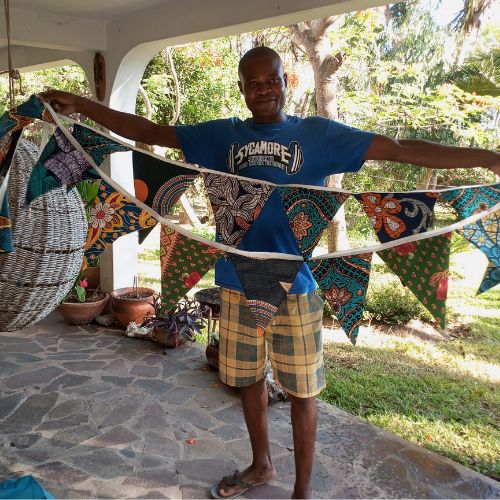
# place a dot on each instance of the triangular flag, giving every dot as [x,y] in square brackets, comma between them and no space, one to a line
[236,203]
[184,261]
[484,235]
[5,224]
[470,201]
[96,144]
[10,122]
[397,215]
[344,282]
[309,212]
[422,266]
[159,184]
[112,215]
[265,283]
[33,108]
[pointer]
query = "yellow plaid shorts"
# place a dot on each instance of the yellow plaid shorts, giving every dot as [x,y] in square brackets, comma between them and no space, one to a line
[292,340]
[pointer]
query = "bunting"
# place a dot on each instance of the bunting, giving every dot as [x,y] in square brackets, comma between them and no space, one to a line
[397,215]
[184,262]
[422,266]
[344,282]
[34,108]
[265,284]
[5,226]
[471,200]
[309,213]
[112,215]
[236,203]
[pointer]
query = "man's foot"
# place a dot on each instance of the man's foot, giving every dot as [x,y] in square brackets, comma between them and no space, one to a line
[237,483]
[302,492]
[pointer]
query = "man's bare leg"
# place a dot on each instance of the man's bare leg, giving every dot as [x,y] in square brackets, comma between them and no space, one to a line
[254,400]
[304,423]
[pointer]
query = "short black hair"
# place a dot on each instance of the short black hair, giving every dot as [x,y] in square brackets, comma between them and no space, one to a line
[257,52]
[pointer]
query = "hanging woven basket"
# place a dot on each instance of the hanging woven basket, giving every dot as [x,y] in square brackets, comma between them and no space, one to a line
[48,239]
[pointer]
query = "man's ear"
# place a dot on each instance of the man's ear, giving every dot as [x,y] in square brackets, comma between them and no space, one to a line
[240,86]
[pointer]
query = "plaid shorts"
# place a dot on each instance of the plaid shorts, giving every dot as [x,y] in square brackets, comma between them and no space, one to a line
[292,340]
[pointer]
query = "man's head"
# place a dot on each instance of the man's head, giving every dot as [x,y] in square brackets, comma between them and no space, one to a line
[263,83]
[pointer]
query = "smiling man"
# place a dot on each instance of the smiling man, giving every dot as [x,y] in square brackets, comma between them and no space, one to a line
[282,149]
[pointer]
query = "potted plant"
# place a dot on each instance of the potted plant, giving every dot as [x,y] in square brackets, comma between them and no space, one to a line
[82,305]
[132,304]
[176,326]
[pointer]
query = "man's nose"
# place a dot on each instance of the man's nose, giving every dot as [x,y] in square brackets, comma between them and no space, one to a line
[263,88]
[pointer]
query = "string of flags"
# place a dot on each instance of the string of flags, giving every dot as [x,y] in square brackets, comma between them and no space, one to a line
[402,221]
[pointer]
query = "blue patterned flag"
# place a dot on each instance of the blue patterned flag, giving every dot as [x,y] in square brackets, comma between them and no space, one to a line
[470,201]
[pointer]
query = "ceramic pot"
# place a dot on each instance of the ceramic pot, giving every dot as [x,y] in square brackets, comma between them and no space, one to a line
[81,313]
[93,276]
[126,308]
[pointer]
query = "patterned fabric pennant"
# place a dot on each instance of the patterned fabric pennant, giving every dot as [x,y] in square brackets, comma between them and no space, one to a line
[236,204]
[309,213]
[34,108]
[265,284]
[470,201]
[397,215]
[184,262]
[5,225]
[422,266]
[484,235]
[112,216]
[344,282]
[95,144]
[10,122]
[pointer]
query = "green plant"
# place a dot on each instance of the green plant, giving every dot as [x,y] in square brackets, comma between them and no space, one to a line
[88,190]
[80,288]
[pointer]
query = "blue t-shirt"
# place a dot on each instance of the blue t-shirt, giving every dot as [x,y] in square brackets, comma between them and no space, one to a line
[296,151]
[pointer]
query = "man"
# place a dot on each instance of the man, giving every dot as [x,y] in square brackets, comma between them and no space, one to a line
[284,150]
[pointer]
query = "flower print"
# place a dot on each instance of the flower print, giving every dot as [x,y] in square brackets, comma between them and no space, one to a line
[381,210]
[101,214]
[192,279]
[300,224]
[405,248]
[440,281]
[4,222]
[338,297]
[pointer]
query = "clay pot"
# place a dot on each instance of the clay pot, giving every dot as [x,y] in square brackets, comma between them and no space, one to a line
[127,308]
[212,354]
[93,276]
[82,313]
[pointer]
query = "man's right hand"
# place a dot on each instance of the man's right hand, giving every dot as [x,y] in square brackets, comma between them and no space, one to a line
[62,102]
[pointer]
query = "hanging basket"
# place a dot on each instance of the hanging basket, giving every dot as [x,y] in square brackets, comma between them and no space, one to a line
[48,239]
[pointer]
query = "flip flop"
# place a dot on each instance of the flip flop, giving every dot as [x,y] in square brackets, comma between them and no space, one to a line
[232,480]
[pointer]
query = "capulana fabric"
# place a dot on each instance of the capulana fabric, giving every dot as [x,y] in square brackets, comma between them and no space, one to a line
[397,215]
[470,201]
[422,266]
[344,283]
[309,212]
[6,245]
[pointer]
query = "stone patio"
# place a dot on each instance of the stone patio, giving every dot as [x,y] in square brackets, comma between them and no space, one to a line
[92,413]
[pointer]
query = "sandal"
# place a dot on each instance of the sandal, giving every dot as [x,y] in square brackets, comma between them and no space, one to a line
[232,480]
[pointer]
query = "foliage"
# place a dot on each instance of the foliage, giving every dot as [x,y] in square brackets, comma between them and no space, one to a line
[88,190]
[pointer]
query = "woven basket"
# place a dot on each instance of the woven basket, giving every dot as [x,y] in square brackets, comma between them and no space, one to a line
[48,239]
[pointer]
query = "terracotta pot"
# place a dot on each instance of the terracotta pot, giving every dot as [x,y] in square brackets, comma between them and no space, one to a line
[212,354]
[93,276]
[126,309]
[81,313]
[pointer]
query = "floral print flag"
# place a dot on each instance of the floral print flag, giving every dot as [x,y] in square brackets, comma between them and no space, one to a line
[5,225]
[309,211]
[236,204]
[397,215]
[265,283]
[184,261]
[422,266]
[484,235]
[470,201]
[344,282]
[112,216]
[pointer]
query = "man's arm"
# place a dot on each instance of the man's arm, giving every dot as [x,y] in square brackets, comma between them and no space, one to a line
[431,155]
[133,127]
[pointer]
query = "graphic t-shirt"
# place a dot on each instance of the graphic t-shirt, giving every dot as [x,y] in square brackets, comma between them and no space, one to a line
[296,151]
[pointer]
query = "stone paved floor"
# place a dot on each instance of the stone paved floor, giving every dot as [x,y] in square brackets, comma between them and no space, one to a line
[92,413]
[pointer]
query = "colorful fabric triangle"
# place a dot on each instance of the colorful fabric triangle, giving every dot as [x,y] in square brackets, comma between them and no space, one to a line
[309,212]
[265,284]
[423,266]
[10,121]
[484,235]
[470,201]
[6,245]
[397,215]
[236,204]
[184,261]
[344,282]
[112,216]
[33,108]
[95,144]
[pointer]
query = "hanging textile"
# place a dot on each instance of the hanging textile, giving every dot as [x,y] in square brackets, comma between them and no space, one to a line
[159,183]
[33,108]
[236,204]
[309,213]
[265,284]
[422,266]
[397,215]
[113,215]
[184,261]
[469,201]
[5,225]
[344,282]
[484,235]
